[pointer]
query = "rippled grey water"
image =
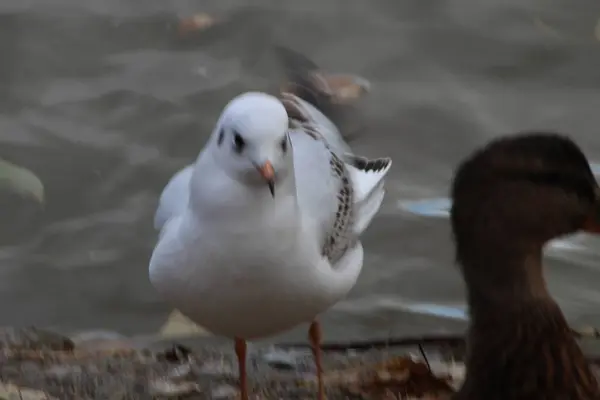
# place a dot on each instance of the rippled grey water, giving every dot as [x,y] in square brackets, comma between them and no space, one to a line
[105,101]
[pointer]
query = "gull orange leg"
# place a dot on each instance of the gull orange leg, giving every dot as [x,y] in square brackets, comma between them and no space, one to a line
[314,334]
[240,351]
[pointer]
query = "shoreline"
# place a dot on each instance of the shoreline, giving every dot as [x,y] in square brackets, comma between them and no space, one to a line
[203,368]
[96,365]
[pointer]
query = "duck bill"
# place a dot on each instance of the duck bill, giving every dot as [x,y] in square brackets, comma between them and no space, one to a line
[592,223]
[268,173]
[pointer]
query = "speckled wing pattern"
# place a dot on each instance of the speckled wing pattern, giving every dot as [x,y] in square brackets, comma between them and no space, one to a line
[358,179]
[342,235]
[337,240]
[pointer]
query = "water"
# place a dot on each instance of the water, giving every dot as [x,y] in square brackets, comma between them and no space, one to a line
[104,101]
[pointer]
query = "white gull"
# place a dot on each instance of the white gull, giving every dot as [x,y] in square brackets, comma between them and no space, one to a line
[262,232]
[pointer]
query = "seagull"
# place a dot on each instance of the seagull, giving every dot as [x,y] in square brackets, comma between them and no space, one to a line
[262,232]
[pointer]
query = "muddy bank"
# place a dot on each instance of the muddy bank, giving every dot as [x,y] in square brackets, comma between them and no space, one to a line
[105,365]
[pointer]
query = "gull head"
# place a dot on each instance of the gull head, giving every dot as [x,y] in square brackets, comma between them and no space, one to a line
[251,142]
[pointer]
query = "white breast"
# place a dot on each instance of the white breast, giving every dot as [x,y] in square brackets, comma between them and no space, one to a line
[249,289]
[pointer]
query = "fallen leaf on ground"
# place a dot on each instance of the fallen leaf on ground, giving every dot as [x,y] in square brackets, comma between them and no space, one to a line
[397,378]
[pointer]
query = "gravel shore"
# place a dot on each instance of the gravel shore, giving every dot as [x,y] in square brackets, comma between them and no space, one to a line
[39,364]
[106,366]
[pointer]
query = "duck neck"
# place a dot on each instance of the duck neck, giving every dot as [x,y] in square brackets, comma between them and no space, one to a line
[500,282]
[519,343]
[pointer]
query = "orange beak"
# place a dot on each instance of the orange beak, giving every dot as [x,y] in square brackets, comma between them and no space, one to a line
[592,224]
[266,171]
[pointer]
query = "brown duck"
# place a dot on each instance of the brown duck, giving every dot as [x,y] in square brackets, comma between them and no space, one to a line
[509,199]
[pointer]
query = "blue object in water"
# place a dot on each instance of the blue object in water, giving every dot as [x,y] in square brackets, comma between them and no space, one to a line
[436,310]
[436,207]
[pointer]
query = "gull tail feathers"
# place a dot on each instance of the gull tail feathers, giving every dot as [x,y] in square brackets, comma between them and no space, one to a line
[368,180]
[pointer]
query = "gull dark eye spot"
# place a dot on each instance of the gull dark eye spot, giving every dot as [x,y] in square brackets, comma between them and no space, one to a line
[238,142]
[284,144]
[220,137]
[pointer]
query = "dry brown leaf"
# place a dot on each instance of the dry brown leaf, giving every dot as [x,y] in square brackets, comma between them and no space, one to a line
[345,88]
[342,88]
[198,22]
[397,378]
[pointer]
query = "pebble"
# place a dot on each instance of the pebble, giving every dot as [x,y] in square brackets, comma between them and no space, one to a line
[277,358]
[223,392]
[217,368]
[180,372]
[62,371]
[167,388]
[176,354]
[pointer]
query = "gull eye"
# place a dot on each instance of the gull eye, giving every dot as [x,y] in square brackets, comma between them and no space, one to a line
[284,144]
[238,142]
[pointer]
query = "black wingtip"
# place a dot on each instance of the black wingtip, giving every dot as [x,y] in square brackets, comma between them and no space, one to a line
[367,165]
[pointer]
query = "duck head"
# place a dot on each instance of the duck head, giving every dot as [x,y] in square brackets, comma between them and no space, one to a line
[510,198]
[519,192]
